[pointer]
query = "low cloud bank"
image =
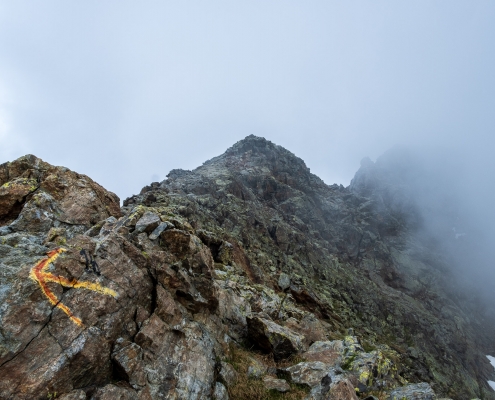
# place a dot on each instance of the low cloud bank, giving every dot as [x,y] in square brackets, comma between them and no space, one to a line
[446,196]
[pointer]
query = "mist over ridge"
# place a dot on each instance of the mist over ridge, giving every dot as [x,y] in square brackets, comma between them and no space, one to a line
[445,200]
[442,193]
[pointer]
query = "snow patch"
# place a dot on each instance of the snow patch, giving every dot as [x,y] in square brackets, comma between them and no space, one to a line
[492,361]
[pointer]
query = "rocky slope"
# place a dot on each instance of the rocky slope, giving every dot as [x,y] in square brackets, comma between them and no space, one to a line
[248,277]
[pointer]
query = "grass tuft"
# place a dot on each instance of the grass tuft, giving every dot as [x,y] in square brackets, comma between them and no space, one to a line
[254,389]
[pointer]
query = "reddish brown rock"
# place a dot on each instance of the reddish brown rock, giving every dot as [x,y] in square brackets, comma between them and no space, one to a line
[64,195]
[42,346]
[342,390]
[13,195]
[129,365]
[176,241]
[309,327]
[327,352]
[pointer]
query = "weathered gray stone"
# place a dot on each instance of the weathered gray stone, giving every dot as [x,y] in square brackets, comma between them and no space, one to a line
[307,374]
[256,369]
[417,391]
[227,374]
[170,351]
[233,308]
[373,369]
[147,223]
[159,229]
[5,230]
[284,281]
[271,337]
[309,327]
[220,392]
[413,352]
[277,385]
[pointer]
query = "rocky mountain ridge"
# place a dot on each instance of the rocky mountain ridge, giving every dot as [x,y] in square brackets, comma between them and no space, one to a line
[248,277]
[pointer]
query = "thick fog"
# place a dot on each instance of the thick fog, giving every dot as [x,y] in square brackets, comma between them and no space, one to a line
[443,198]
[125,91]
[458,210]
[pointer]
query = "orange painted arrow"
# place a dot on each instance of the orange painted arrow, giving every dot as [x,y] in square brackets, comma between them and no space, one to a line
[39,274]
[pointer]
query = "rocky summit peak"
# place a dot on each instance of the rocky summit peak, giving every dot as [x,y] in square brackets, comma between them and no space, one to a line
[251,141]
[246,278]
[254,144]
[257,152]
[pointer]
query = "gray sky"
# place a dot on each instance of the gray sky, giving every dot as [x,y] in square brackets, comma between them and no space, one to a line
[126,91]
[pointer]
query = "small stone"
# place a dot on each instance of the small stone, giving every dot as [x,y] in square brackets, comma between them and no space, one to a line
[307,374]
[417,391]
[283,281]
[413,352]
[159,229]
[342,390]
[256,369]
[227,374]
[55,235]
[278,385]
[372,368]
[328,352]
[95,229]
[147,223]
[220,392]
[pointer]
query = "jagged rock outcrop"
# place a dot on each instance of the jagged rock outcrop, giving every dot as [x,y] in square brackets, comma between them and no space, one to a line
[251,250]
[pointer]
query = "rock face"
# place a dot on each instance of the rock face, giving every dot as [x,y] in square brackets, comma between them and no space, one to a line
[250,249]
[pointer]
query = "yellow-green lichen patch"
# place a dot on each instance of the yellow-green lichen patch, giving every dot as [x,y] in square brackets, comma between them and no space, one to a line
[27,183]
